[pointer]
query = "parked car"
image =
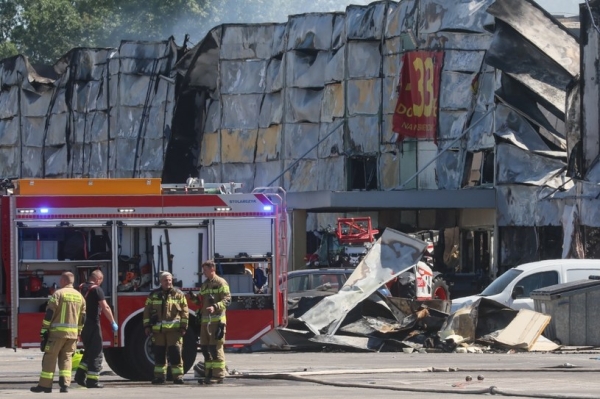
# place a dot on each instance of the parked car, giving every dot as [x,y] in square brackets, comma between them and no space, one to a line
[317,282]
[513,288]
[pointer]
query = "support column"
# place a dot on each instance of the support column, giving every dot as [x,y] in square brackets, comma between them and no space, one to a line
[298,239]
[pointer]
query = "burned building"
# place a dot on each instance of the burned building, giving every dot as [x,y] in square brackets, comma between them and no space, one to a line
[312,105]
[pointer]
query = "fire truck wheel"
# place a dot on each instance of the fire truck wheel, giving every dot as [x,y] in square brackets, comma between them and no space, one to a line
[138,349]
[440,289]
[118,362]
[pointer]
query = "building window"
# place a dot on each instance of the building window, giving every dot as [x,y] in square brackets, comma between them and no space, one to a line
[362,173]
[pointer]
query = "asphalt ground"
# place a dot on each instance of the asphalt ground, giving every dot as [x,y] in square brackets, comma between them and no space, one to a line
[295,375]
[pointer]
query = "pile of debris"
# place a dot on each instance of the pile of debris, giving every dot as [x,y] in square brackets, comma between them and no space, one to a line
[359,317]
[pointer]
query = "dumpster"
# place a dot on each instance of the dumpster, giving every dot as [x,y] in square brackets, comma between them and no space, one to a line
[574,310]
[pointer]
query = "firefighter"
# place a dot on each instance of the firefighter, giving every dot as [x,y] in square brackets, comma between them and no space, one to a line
[213,298]
[62,324]
[166,321]
[91,336]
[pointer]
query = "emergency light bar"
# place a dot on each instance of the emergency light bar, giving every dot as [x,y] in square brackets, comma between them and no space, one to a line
[268,208]
[222,209]
[26,211]
[126,210]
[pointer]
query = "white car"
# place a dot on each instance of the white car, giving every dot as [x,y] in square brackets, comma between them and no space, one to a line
[513,288]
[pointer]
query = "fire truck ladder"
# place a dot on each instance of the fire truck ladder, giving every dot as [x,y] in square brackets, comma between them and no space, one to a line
[277,195]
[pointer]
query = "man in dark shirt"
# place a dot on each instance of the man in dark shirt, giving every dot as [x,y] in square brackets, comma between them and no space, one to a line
[88,372]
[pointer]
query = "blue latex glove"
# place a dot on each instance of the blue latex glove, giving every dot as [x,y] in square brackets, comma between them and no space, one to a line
[114,326]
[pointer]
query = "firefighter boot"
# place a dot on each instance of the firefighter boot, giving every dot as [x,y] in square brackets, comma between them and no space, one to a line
[38,389]
[93,384]
[207,377]
[80,377]
[63,387]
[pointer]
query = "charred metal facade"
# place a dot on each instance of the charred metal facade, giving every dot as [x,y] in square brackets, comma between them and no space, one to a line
[308,105]
[96,113]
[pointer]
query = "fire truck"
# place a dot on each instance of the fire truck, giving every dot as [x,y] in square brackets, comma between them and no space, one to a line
[131,230]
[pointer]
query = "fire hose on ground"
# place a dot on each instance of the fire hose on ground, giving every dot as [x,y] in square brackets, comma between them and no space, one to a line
[308,377]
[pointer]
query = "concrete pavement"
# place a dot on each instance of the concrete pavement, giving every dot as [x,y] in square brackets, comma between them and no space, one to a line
[345,375]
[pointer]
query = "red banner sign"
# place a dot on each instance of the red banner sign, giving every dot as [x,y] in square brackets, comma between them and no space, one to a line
[416,113]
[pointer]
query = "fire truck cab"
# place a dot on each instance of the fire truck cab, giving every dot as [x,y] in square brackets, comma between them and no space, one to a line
[131,230]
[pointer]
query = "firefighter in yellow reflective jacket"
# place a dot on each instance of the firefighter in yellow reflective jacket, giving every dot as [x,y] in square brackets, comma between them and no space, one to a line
[166,320]
[63,322]
[214,297]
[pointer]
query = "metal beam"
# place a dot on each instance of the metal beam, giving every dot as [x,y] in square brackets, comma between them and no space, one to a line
[339,201]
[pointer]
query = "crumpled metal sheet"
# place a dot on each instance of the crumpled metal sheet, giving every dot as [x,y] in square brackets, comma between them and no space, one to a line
[585,194]
[240,111]
[266,172]
[146,58]
[463,61]
[335,68]
[448,171]
[401,18]
[441,15]
[309,31]
[238,145]
[17,70]
[301,176]
[268,144]
[358,52]
[243,77]
[300,138]
[271,110]
[515,95]
[365,343]
[304,105]
[68,116]
[364,96]
[333,102]
[455,90]
[517,57]
[521,205]
[363,131]
[539,27]
[392,254]
[274,76]
[366,22]
[242,42]
[518,166]
[513,127]
[9,106]
[202,70]
[481,136]
[331,174]
[573,125]
[306,69]
[333,145]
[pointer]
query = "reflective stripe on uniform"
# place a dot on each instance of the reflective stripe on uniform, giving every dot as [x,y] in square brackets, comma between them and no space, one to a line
[221,290]
[220,317]
[48,375]
[64,373]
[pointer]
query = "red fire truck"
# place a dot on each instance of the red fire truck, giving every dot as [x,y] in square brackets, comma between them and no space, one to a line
[132,229]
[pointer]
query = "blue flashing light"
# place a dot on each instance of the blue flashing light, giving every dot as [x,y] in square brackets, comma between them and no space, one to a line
[268,208]
[44,210]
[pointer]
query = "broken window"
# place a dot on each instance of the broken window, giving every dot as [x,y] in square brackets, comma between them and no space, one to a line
[479,168]
[591,237]
[475,251]
[362,173]
[550,242]
[518,245]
